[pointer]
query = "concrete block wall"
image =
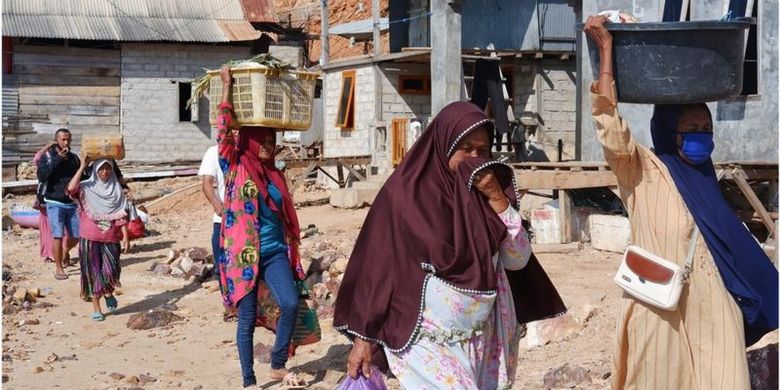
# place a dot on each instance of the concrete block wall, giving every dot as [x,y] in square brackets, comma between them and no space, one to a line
[550,90]
[559,107]
[150,99]
[338,142]
[293,55]
[524,87]
[394,104]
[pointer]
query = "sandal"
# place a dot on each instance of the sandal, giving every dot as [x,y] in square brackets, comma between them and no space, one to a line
[111,304]
[292,381]
[60,276]
[230,315]
[97,316]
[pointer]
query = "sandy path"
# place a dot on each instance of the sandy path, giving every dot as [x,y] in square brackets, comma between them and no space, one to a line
[199,352]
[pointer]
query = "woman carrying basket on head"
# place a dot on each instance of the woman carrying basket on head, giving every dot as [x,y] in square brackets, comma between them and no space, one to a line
[259,241]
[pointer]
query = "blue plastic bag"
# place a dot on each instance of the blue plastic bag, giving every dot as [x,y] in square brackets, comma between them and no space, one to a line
[374,382]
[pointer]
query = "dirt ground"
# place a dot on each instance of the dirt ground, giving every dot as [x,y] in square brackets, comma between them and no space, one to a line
[199,352]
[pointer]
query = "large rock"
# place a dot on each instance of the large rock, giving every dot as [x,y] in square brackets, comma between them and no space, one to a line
[172,256]
[762,363]
[309,232]
[186,264]
[322,260]
[162,269]
[21,295]
[198,254]
[177,272]
[551,330]
[338,267]
[320,292]
[151,319]
[211,285]
[566,376]
[333,284]
[262,353]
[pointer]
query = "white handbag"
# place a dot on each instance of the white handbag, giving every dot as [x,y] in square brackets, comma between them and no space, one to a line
[653,279]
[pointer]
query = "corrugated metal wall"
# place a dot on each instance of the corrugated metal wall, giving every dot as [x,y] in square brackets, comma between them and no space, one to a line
[745,127]
[543,25]
[557,25]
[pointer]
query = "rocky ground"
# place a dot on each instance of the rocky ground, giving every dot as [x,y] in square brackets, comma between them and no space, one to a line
[169,332]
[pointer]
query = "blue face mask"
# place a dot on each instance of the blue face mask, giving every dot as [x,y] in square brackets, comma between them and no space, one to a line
[697,147]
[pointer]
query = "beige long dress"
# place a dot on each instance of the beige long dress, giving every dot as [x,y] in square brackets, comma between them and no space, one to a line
[701,344]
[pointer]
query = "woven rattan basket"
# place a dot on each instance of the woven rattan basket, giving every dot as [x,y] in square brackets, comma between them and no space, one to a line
[267,97]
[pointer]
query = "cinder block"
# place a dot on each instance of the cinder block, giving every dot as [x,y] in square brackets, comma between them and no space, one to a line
[609,232]
[352,197]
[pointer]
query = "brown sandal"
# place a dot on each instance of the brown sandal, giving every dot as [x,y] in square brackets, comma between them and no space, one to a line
[60,276]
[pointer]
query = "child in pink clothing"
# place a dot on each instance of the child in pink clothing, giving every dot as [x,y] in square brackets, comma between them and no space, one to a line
[103,225]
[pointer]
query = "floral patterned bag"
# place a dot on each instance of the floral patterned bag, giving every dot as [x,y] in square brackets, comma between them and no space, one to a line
[307,325]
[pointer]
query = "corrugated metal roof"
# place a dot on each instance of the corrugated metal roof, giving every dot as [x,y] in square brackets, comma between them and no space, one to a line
[128,20]
[259,11]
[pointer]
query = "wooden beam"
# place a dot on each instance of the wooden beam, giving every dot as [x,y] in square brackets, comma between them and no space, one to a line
[48,90]
[299,180]
[49,109]
[69,100]
[340,172]
[75,81]
[329,175]
[558,180]
[564,216]
[756,173]
[73,70]
[353,171]
[739,178]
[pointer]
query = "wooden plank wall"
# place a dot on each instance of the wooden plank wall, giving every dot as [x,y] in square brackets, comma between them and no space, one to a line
[64,86]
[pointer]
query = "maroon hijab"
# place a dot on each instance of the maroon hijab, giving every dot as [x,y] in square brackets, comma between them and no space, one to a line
[425,218]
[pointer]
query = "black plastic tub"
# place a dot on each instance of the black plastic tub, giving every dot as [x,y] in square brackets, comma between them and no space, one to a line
[676,62]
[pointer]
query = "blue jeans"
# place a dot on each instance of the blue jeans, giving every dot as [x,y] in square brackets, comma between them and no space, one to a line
[215,250]
[275,271]
[63,217]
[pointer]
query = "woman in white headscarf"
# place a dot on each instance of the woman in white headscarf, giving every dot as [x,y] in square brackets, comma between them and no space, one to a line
[103,226]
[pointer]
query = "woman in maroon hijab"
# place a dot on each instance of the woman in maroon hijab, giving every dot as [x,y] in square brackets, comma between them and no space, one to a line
[442,275]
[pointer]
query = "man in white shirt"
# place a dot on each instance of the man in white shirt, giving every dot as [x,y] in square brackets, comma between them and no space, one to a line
[210,171]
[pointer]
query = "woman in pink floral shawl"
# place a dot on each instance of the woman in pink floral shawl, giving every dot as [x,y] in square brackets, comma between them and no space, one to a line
[259,241]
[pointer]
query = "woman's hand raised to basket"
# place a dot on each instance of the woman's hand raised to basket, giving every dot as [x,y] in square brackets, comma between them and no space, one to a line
[224,74]
[227,82]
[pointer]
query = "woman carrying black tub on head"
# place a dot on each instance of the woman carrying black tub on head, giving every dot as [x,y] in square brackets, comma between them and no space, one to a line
[730,300]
